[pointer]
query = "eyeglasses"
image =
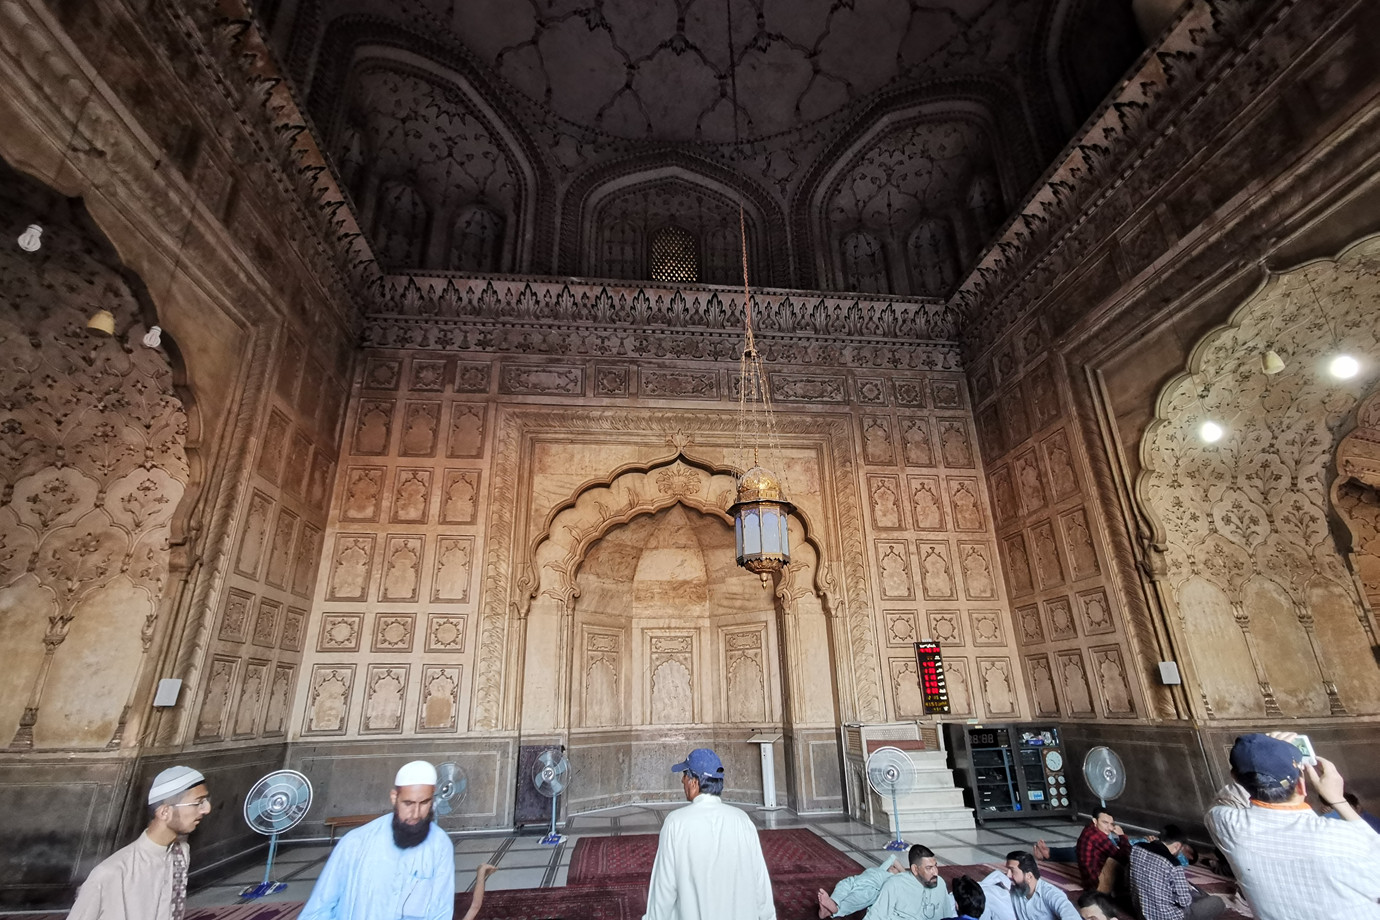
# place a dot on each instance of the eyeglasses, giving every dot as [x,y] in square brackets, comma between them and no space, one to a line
[205,800]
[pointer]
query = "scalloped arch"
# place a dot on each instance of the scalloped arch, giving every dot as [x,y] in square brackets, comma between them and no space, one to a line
[634,490]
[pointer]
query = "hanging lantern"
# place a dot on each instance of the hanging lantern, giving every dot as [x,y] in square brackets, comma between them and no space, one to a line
[760,518]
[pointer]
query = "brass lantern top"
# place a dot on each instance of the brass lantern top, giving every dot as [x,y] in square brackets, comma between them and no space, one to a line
[758,484]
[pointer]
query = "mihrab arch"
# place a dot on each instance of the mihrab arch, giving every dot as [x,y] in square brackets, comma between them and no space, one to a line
[780,635]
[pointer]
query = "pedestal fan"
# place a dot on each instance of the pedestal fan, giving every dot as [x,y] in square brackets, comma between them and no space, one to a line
[451,784]
[1104,774]
[551,778]
[275,804]
[890,772]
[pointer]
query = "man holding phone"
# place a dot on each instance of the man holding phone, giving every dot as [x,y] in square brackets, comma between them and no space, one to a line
[1291,863]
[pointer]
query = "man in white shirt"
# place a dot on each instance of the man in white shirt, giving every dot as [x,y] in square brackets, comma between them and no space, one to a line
[1291,863]
[709,863]
[147,880]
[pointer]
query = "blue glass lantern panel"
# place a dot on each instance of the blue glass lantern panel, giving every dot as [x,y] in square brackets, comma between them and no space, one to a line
[752,532]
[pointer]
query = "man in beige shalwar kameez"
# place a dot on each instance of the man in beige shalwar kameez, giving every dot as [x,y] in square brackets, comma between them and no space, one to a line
[147,880]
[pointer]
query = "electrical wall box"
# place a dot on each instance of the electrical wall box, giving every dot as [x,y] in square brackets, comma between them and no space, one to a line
[1169,673]
[168,689]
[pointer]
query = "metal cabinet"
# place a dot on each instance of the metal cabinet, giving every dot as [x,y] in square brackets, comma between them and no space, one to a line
[1010,770]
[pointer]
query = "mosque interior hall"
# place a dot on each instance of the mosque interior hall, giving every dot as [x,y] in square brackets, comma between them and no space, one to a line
[381,382]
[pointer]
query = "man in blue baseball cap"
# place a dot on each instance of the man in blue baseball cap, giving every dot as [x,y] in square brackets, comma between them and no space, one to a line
[709,861]
[1291,863]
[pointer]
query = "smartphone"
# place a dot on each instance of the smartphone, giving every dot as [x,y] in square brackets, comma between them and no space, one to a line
[1306,749]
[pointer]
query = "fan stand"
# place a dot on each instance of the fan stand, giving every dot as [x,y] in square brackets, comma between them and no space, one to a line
[265,887]
[898,843]
[553,839]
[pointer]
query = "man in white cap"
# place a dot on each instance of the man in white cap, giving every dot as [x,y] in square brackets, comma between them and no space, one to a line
[147,880]
[709,863]
[398,865]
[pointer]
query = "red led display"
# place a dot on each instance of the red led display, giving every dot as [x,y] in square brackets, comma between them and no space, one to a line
[933,690]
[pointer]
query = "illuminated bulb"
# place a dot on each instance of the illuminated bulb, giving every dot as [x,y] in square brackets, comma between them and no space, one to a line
[1344,367]
[31,239]
[1271,363]
[1210,432]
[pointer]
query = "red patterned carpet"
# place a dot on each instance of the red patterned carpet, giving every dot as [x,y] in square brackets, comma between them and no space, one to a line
[629,858]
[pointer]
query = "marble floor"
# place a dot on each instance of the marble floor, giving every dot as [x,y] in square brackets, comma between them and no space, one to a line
[524,863]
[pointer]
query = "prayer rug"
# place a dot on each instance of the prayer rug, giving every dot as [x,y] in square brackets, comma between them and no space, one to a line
[789,853]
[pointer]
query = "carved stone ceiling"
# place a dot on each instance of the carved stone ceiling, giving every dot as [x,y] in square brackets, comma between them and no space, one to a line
[484,98]
[639,69]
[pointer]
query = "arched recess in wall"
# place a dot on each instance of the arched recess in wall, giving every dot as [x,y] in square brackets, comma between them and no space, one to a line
[1085,48]
[596,509]
[352,48]
[102,460]
[1266,609]
[909,160]
[587,215]
[1355,495]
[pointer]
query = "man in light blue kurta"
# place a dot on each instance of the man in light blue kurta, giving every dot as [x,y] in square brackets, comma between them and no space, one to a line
[397,867]
[856,892]
[916,894]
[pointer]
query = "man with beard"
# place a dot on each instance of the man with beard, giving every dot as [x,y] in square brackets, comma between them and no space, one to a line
[915,895]
[1033,898]
[400,865]
[148,878]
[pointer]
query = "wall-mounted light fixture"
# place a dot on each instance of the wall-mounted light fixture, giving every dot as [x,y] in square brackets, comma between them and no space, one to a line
[31,239]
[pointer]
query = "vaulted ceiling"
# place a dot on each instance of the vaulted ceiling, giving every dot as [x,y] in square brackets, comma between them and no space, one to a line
[877,144]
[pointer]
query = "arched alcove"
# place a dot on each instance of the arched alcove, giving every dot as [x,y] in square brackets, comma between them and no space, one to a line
[666,643]
[671,639]
[1267,610]
[97,477]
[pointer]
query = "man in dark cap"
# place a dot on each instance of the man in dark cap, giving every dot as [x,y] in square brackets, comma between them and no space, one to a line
[1291,863]
[147,880]
[709,863]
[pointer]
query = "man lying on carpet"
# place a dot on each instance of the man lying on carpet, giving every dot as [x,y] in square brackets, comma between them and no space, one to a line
[1293,864]
[917,893]
[856,892]
[1033,898]
[709,863]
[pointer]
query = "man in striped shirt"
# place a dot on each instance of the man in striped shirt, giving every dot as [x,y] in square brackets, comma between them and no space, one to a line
[1291,863]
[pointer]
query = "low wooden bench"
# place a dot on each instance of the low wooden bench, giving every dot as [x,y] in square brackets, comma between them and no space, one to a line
[342,823]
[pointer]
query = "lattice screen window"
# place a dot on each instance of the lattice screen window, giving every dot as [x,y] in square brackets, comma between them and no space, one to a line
[674,256]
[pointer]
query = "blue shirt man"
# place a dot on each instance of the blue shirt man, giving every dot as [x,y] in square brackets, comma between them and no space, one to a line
[400,865]
[1033,898]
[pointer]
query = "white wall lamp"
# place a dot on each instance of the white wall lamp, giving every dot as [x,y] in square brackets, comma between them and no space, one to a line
[31,239]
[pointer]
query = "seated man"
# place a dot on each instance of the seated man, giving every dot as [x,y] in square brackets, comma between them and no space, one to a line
[1290,863]
[917,893]
[856,892]
[968,899]
[1033,898]
[1101,838]
[1159,889]
[1355,803]
[996,888]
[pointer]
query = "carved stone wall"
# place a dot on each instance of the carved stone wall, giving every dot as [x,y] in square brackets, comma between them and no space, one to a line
[1069,620]
[1267,609]
[93,465]
[475,489]
[260,629]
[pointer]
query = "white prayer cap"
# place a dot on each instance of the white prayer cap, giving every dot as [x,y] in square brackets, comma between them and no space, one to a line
[172,781]
[416,773]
